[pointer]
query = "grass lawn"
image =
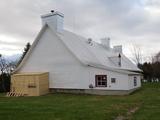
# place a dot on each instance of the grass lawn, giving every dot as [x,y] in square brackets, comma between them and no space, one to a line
[144,104]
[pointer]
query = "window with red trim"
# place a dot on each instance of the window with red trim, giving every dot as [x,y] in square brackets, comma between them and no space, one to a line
[101,80]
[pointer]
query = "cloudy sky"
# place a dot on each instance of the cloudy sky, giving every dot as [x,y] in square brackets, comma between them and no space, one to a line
[126,22]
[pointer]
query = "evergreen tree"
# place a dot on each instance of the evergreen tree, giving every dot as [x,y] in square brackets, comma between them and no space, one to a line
[26,49]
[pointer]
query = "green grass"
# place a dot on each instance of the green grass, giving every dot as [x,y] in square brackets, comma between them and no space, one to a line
[83,107]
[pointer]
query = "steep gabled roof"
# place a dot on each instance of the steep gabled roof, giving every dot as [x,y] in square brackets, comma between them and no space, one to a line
[31,48]
[94,54]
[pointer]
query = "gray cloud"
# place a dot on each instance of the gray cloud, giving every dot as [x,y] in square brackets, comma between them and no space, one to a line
[125,21]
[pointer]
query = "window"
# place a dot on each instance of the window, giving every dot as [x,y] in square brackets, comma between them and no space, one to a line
[135,81]
[101,80]
[113,80]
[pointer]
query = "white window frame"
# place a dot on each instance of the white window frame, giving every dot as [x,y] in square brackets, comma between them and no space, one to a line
[135,81]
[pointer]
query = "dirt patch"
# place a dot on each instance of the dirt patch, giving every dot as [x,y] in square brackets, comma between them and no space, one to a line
[130,112]
[120,117]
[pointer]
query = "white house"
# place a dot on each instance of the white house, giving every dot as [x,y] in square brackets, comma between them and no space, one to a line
[77,64]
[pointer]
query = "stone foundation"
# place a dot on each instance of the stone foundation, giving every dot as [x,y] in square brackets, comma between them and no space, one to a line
[92,91]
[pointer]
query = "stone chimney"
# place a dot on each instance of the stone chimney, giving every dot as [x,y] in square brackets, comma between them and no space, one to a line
[118,48]
[54,19]
[105,42]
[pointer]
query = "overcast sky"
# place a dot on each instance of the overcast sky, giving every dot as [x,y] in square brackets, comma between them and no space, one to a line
[126,22]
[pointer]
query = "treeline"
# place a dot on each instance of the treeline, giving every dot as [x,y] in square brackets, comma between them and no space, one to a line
[5,82]
[151,71]
[6,68]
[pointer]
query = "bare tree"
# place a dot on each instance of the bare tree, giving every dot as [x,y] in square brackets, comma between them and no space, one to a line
[6,67]
[137,54]
[3,66]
